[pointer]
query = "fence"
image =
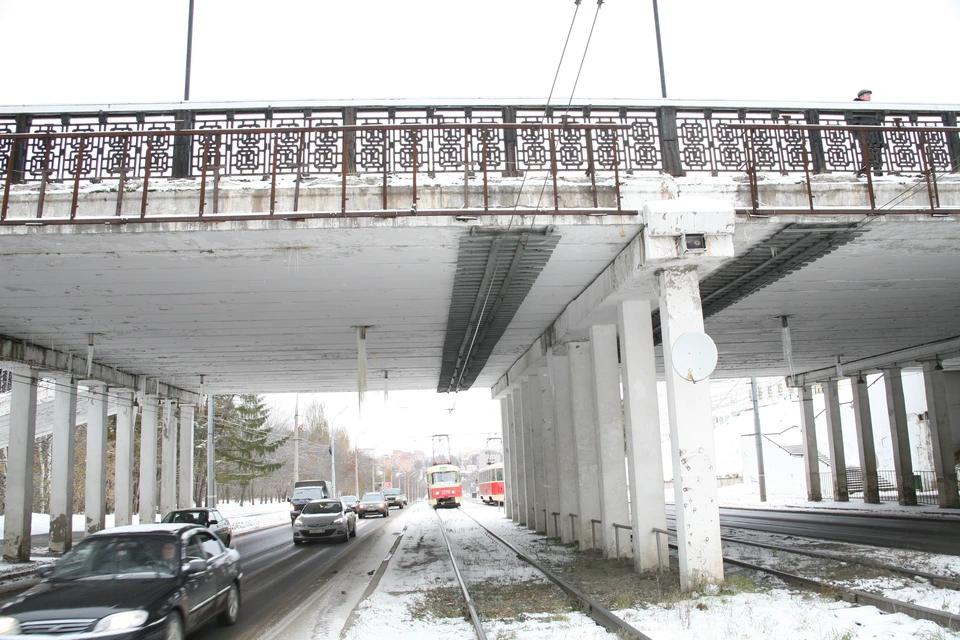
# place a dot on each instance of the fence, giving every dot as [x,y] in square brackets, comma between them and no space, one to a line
[511,140]
[924,481]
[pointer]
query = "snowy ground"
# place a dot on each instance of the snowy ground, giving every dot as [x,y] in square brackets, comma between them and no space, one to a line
[418,568]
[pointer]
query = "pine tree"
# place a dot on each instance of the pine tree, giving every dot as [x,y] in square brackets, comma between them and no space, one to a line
[244,441]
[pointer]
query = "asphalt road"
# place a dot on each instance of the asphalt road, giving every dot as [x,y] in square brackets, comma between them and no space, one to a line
[933,535]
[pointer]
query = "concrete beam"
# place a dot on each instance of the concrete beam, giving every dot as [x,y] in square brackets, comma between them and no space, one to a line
[811,452]
[566,446]
[43,360]
[551,474]
[941,438]
[883,361]
[865,445]
[838,460]
[507,461]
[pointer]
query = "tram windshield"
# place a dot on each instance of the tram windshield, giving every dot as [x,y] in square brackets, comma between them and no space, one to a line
[440,477]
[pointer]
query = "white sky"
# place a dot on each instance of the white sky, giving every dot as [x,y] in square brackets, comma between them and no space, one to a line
[106,51]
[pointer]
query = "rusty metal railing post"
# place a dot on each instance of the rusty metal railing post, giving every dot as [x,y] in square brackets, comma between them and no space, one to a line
[616,172]
[44,177]
[556,525]
[812,116]
[751,171]
[510,144]
[953,141]
[146,176]
[216,175]
[344,152]
[669,141]
[9,179]
[76,179]
[296,189]
[806,168]
[553,171]
[593,531]
[926,163]
[203,175]
[865,152]
[273,174]
[122,181]
[483,161]
[415,140]
[573,527]
[591,168]
[386,164]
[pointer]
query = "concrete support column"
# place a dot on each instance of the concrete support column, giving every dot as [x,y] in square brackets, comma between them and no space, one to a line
[185,494]
[148,459]
[61,474]
[123,486]
[507,462]
[838,461]
[96,487]
[539,453]
[610,438]
[550,473]
[642,414]
[691,437]
[529,454]
[18,494]
[522,457]
[900,436]
[942,440]
[516,447]
[811,453]
[168,458]
[585,434]
[568,497]
[865,446]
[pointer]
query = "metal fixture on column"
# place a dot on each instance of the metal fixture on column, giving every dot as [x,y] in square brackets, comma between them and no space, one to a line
[759,439]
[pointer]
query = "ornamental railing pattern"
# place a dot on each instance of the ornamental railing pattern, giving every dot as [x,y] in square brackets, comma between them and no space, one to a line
[673,140]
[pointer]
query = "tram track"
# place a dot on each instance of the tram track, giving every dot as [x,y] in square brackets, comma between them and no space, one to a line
[589,606]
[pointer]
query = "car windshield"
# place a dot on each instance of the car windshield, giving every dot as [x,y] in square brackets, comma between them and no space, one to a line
[349,498]
[105,557]
[372,497]
[322,507]
[391,492]
[308,493]
[196,517]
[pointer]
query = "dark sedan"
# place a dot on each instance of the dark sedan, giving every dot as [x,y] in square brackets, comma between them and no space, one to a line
[209,518]
[132,583]
[373,502]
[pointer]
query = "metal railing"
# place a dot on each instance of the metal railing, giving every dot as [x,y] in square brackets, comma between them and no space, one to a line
[413,149]
[310,140]
[660,532]
[616,536]
[925,483]
[902,149]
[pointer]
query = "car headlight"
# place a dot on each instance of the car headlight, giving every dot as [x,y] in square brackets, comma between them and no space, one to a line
[292,508]
[9,626]
[298,522]
[122,621]
[337,521]
[383,505]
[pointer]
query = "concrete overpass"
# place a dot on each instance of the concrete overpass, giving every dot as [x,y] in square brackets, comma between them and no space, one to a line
[533,252]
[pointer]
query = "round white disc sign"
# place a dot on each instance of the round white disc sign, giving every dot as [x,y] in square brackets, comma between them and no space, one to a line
[694,356]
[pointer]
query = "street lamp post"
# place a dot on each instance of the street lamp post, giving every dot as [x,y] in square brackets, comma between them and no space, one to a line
[186,80]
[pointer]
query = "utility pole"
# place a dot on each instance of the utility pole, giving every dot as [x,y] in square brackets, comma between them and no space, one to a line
[759,438]
[333,463]
[656,24]
[211,458]
[296,442]
[186,80]
[356,464]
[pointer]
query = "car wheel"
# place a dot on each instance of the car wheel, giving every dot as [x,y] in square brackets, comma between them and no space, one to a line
[231,612]
[229,541]
[353,534]
[386,514]
[174,627]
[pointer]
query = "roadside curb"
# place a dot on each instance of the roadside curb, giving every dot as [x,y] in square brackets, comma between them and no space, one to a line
[374,582]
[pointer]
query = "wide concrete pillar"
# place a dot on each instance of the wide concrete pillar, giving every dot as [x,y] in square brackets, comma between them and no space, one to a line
[610,439]
[529,454]
[551,493]
[900,436]
[691,437]
[566,446]
[507,462]
[18,492]
[185,493]
[811,452]
[123,486]
[61,474]
[168,457]
[585,434]
[838,461]
[865,445]
[642,414]
[148,458]
[944,464]
[516,446]
[539,459]
[523,452]
[95,499]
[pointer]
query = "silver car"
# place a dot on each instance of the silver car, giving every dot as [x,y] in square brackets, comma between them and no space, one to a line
[324,520]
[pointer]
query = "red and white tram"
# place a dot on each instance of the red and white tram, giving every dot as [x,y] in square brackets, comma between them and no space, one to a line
[444,485]
[491,483]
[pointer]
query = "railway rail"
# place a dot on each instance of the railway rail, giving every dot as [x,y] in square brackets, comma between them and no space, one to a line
[597,612]
[853,596]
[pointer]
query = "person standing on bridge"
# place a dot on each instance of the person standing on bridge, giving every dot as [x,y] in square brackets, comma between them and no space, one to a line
[872,140]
